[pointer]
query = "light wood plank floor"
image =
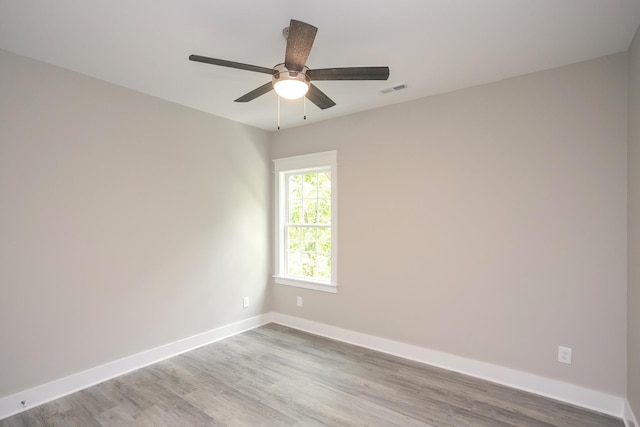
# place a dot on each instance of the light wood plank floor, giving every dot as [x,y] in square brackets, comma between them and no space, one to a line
[276,376]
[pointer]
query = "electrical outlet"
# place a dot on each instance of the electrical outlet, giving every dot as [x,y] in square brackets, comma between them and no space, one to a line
[299,301]
[564,355]
[245,302]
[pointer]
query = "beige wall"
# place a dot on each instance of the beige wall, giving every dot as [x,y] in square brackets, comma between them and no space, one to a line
[633,292]
[126,222]
[489,223]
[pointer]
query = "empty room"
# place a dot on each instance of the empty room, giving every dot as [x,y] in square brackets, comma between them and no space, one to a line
[286,213]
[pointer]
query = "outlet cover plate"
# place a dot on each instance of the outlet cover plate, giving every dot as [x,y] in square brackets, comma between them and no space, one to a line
[564,355]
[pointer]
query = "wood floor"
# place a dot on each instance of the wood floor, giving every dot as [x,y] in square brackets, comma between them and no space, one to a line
[276,376]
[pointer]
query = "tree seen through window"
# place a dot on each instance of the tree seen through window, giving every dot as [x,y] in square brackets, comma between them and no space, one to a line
[309,225]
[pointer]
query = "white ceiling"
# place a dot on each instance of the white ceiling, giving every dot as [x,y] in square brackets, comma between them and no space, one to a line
[433,46]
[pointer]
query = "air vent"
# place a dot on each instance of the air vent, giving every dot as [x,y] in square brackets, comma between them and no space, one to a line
[394,88]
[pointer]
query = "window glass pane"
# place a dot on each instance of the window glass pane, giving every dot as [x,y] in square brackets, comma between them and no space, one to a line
[309,239]
[295,186]
[310,211]
[294,267]
[323,269]
[296,214]
[293,251]
[309,264]
[324,211]
[324,240]
[295,235]
[310,186]
[324,184]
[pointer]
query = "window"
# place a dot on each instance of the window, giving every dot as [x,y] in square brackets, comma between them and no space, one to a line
[306,221]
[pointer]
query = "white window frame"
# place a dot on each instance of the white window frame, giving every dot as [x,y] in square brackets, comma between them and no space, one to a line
[301,164]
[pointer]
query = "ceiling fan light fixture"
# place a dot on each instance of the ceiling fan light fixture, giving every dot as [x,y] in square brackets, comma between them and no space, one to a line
[291,89]
[290,84]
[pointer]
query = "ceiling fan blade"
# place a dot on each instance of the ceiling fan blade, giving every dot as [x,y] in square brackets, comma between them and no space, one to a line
[299,42]
[231,64]
[350,73]
[256,93]
[318,97]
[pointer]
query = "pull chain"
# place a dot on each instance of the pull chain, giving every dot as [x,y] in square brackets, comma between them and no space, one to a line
[304,109]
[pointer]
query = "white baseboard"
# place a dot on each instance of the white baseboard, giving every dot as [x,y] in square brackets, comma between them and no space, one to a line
[573,394]
[580,396]
[629,417]
[38,395]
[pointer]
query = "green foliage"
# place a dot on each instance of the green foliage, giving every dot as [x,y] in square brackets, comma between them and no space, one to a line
[309,198]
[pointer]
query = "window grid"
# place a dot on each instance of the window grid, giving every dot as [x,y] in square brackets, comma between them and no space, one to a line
[307,232]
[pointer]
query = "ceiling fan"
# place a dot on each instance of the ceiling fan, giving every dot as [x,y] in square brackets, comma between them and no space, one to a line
[292,79]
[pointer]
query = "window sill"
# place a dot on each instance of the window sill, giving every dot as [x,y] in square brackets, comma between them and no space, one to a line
[306,284]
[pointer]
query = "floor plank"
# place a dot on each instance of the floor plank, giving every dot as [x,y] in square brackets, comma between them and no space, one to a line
[277,376]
